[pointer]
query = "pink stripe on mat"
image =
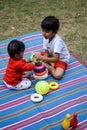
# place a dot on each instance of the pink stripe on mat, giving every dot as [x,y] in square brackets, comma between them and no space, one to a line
[13,103]
[27,98]
[79,59]
[24,39]
[32,107]
[48,114]
[29,50]
[81,126]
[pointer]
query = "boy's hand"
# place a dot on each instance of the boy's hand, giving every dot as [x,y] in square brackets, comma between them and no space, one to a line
[37,56]
[34,56]
[34,60]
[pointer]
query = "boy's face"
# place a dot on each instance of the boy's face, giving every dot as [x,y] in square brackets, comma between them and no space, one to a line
[48,34]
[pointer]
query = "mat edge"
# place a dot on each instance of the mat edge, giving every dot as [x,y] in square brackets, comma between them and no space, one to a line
[78,58]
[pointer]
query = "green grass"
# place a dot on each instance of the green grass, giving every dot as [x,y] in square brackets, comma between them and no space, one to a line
[18,17]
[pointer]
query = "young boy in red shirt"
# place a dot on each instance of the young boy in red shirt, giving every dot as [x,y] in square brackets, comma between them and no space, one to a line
[14,78]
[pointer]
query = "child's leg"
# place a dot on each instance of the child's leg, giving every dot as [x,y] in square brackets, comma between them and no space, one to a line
[57,73]
[9,86]
[24,84]
[57,70]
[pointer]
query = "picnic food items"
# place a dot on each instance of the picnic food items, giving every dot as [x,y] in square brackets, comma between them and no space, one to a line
[53,85]
[42,87]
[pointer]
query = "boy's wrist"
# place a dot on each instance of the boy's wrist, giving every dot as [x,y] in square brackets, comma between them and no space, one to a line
[33,63]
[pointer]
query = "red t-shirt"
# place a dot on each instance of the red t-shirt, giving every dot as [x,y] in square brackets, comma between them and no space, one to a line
[15,71]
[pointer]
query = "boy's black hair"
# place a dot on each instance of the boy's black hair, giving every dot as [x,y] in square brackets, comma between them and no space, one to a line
[50,23]
[15,47]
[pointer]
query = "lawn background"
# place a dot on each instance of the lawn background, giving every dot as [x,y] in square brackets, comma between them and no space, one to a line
[18,17]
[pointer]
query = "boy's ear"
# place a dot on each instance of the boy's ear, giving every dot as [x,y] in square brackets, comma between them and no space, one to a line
[16,55]
[56,31]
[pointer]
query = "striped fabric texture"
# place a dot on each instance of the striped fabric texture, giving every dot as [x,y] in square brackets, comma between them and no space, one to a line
[18,112]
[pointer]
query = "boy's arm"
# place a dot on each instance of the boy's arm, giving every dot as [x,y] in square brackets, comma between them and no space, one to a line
[46,53]
[36,54]
[45,58]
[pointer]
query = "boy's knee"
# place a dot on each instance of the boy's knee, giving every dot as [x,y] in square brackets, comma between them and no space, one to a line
[58,76]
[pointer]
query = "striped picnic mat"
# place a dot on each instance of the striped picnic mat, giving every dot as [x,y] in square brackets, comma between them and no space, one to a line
[17,111]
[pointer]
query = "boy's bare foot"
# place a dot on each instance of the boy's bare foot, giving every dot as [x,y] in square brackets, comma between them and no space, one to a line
[49,67]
